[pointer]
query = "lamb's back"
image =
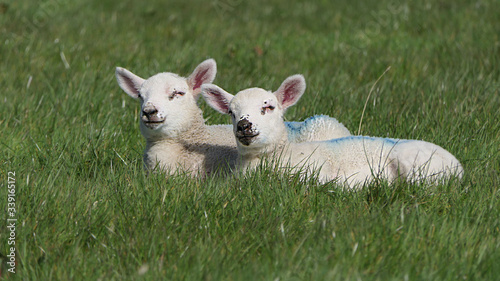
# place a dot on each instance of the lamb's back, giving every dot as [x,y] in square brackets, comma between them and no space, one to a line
[316,128]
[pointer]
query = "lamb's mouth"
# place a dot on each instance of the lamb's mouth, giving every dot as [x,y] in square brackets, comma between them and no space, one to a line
[152,124]
[246,139]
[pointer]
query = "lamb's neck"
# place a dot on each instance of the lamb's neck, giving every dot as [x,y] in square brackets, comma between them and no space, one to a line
[250,157]
[196,132]
[278,143]
[189,135]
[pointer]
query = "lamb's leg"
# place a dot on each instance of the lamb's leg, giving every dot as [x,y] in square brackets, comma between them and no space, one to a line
[423,161]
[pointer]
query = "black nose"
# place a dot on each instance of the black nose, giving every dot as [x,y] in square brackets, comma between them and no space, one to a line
[244,126]
[149,111]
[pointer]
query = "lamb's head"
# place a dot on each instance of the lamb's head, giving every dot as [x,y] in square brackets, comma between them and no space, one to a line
[168,101]
[257,114]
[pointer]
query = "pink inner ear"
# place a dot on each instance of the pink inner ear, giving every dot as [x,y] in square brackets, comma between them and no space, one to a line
[130,85]
[199,79]
[223,106]
[290,92]
[217,100]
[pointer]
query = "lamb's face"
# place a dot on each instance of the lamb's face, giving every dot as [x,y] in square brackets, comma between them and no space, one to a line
[165,101]
[257,117]
[168,101]
[257,114]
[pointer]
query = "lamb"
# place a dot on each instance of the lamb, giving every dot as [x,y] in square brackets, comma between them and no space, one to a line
[177,138]
[351,161]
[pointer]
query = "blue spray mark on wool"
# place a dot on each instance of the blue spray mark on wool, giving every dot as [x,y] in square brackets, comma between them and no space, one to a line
[355,138]
[309,120]
[295,128]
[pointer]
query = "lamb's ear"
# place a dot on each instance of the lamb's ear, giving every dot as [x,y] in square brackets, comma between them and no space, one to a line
[216,97]
[291,90]
[129,82]
[204,73]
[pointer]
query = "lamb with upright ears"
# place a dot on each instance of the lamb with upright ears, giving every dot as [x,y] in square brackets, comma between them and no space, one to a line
[259,129]
[177,138]
[175,131]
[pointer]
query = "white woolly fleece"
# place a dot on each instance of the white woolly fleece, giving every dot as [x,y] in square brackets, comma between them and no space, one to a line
[177,139]
[351,160]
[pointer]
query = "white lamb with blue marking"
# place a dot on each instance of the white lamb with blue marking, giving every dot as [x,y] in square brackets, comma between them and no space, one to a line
[177,138]
[260,132]
[315,128]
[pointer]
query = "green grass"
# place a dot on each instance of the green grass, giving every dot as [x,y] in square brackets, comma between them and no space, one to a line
[87,211]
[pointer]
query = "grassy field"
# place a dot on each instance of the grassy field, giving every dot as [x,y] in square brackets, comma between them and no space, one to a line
[86,210]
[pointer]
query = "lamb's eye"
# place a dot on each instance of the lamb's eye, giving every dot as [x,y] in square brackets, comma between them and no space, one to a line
[174,94]
[267,109]
[230,113]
